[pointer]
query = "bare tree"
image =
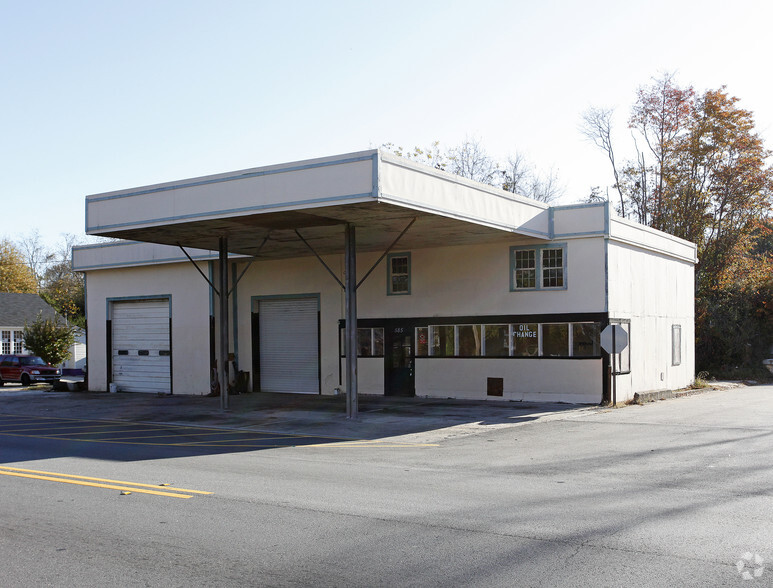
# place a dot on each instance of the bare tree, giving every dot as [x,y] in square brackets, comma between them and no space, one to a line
[35,253]
[516,174]
[597,128]
[470,160]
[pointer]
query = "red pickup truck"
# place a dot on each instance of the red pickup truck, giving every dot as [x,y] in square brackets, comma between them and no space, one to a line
[27,369]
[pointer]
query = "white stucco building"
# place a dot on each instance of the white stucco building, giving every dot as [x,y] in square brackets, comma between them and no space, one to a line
[465,291]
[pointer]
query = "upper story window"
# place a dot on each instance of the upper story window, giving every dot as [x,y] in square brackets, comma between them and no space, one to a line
[398,273]
[538,267]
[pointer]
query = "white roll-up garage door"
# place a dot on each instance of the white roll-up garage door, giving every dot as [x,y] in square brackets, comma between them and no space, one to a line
[141,346]
[289,345]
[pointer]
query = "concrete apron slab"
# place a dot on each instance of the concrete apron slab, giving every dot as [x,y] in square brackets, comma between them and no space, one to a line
[414,419]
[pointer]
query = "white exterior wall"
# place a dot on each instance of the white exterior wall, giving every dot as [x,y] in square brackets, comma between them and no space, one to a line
[529,379]
[190,319]
[445,282]
[655,291]
[649,281]
[475,280]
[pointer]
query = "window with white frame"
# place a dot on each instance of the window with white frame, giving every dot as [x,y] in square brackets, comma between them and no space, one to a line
[370,342]
[18,341]
[398,274]
[539,267]
[581,339]
[6,341]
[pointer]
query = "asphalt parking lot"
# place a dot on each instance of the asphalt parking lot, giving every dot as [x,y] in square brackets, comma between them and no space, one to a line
[321,416]
[670,493]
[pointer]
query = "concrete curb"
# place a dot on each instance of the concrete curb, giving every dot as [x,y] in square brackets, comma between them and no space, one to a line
[668,394]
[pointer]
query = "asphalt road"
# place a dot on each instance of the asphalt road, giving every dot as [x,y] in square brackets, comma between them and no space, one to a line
[674,493]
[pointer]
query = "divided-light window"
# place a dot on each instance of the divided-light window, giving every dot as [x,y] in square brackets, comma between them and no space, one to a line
[538,267]
[399,274]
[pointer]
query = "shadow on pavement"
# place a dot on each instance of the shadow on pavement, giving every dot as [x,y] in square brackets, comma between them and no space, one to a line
[126,426]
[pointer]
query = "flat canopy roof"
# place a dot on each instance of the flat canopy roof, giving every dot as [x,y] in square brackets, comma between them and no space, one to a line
[377,192]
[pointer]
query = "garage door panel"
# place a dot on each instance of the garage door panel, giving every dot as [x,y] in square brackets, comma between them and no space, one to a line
[289,345]
[141,346]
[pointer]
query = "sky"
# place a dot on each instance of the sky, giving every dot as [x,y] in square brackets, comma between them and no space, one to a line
[100,96]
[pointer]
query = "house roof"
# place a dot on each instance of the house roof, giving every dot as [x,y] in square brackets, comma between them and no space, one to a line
[18,309]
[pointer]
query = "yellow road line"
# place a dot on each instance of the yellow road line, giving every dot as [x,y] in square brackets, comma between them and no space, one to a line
[119,432]
[43,427]
[95,485]
[369,445]
[136,485]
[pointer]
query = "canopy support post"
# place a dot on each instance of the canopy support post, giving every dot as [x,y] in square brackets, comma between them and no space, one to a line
[351,322]
[223,363]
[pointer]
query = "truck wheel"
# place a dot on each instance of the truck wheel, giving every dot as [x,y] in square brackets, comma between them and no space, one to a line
[25,380]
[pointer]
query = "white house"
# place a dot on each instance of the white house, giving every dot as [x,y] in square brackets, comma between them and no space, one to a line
[16,311]
[464,290]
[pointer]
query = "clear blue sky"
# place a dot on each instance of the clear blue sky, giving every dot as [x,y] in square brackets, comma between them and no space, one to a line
[103,95]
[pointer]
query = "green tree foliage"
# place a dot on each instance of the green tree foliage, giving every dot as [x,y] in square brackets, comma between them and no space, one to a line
[701,173]
[50,339]
[60,286]
[15,275]
[64,290]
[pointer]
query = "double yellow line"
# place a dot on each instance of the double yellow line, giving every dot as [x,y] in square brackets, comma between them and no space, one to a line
[123,486]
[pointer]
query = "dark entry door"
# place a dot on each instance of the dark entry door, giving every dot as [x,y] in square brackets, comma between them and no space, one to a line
[399,368]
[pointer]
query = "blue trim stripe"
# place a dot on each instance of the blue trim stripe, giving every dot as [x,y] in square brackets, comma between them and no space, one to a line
[243,176]
[583,234]
[264,207]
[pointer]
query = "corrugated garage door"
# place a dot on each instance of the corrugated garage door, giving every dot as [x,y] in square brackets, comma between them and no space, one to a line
[141,348]
[289,345]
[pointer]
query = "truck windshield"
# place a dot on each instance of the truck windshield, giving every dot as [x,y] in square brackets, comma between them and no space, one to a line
[32,360]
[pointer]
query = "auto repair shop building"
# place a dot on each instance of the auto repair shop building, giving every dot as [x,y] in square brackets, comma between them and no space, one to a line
[459,289]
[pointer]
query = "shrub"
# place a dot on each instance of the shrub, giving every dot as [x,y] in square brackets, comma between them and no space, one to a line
[49,339]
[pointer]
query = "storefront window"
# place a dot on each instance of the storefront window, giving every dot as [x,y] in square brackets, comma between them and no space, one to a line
[497,340]
[469,340]
[526,339]
[555,340]
[422,341]
[442,338]
[586,339]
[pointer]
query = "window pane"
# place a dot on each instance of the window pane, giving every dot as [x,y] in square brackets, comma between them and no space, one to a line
[525,340]
[525,268]
[586,339]
[399,265]
[378,341]
[621,362]
[422,338]
[555,340]
[497,340]
[525,259]
[399,274]
[442,338]
[469,340]
[363,343]
[399,283]
[552,268]
[525,278]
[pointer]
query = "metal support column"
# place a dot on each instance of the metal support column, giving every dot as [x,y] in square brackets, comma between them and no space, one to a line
[351,323]
[223,362]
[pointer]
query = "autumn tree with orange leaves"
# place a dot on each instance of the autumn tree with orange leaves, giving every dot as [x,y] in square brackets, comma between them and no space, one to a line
[701,173]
